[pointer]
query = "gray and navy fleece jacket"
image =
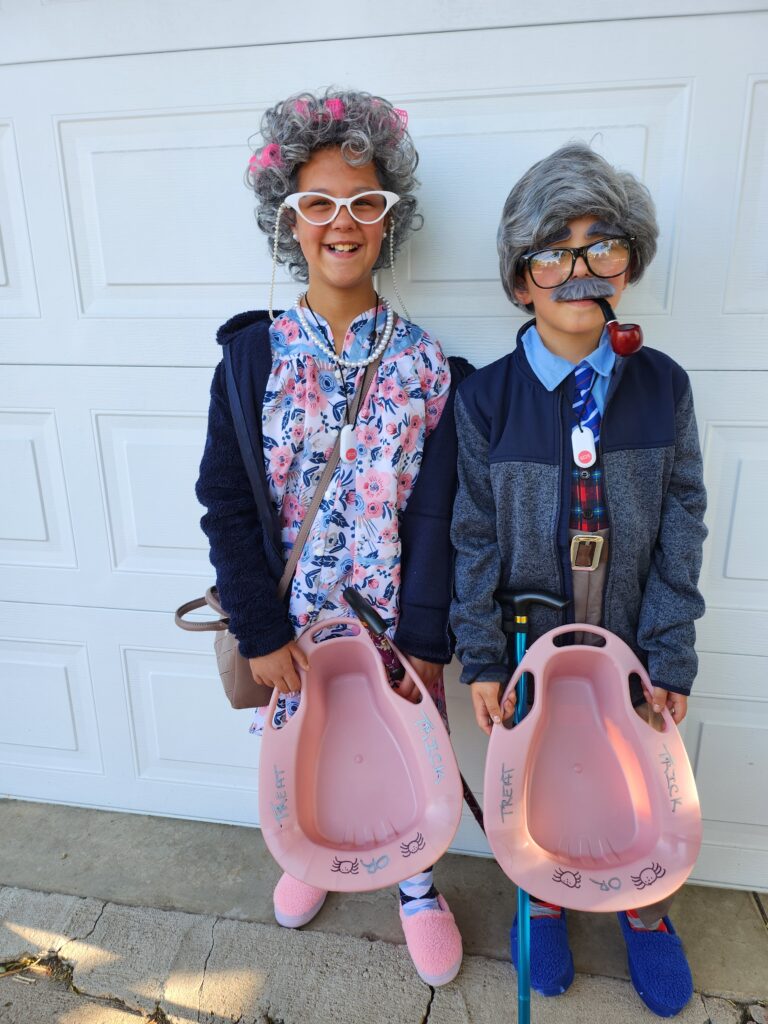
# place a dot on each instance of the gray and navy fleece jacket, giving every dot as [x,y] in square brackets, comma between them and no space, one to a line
[245,550]
[510,521]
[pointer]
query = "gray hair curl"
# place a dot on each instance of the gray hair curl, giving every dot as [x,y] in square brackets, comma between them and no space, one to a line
[364,127]
[573,182]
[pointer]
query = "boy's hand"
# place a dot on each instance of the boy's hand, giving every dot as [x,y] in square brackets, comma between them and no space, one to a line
[278,669]
[675,702]
[485,700]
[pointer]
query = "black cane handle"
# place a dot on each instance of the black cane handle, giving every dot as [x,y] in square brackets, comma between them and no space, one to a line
[515,605]
[365,611]
[522,600]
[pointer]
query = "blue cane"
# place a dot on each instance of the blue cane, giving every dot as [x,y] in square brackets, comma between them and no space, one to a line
[520,603]
[523,899]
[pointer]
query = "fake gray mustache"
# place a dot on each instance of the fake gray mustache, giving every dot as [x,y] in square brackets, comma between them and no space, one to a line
[583,288]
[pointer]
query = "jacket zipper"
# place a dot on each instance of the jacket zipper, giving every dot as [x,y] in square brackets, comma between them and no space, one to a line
[607,515]
[564,504]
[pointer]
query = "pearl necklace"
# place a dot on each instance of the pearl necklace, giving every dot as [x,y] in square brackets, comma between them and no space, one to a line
[327,349]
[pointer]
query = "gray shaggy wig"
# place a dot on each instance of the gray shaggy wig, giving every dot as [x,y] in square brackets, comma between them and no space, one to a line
[368,129]
[573,182]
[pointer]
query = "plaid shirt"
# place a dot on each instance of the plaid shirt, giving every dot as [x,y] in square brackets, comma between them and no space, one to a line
[588,512]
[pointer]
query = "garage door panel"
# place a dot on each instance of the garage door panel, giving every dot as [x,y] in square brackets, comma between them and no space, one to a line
[48,720]
[18,289]
[130,443]
[149,463]
[733,674]
[639,128]
[137,718]
[731,861]
[156,226]
[182,729]
[730,757]
[731,413]
[728,742]
[746,291]
[35,520]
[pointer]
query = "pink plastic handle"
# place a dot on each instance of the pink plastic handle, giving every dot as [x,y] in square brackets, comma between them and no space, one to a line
[581,627]
[613,645]
[411,671]
[305,638]
[305,642]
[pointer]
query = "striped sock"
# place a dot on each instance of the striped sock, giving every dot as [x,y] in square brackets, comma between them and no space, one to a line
[539,908]
[418,893]
[634,919]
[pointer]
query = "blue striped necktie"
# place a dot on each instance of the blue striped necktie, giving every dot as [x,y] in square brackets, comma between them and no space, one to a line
[584,404]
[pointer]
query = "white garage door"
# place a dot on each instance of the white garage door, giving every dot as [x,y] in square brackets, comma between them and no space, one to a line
[126,237]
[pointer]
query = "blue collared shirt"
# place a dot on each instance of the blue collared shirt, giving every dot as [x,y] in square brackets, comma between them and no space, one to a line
[552,370]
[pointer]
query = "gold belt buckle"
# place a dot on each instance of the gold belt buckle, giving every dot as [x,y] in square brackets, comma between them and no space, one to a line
[586,549]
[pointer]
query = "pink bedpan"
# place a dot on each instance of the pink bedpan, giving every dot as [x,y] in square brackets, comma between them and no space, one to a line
[359,789]
[586,805]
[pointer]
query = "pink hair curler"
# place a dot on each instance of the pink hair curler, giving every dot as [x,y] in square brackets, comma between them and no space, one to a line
[336,109]
[586,805]
[359,789]
[269,156]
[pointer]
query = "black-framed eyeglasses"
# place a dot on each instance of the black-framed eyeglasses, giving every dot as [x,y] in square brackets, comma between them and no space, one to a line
[607,257]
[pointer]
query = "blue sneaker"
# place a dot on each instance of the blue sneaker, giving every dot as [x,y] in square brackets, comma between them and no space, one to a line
[658,967]
[551,960]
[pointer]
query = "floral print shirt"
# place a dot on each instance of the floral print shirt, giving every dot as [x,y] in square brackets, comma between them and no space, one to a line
[355,536]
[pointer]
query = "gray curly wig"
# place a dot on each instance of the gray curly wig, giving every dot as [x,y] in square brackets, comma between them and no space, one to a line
[364,127]
[573,182]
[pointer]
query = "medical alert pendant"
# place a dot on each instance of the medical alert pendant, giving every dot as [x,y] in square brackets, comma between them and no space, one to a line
[583,445]
[348,449]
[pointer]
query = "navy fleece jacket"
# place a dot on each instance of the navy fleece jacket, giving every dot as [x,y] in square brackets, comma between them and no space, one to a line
[245,550]
[511,515]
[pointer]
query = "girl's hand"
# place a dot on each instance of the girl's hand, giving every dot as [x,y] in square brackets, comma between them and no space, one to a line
[675,702]
[428,671]
[278,669]
[485,701]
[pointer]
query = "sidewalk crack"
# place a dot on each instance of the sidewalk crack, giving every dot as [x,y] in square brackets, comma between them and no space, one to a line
[425,1018]
[760,908]
[60,973]
[82,938]
[205,967]
[159,1016]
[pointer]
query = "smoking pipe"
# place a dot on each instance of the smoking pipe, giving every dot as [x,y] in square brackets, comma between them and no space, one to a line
[626,339]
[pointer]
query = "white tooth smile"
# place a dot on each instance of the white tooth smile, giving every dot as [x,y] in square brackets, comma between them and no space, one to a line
[344,247]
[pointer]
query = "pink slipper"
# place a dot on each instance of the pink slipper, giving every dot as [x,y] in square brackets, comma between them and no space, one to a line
[434,943]
[295,902]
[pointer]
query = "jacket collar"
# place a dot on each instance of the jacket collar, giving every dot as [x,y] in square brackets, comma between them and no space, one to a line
[527,369]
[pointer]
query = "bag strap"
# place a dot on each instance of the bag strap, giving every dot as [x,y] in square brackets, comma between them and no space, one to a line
[325,479]
[211,600]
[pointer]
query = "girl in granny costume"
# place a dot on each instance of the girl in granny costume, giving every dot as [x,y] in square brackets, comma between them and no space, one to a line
[334,182]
